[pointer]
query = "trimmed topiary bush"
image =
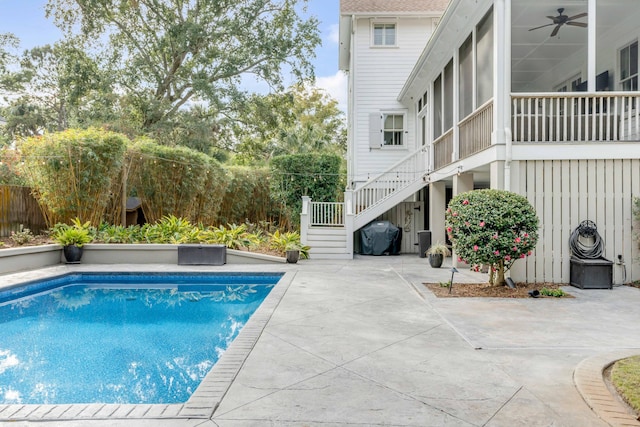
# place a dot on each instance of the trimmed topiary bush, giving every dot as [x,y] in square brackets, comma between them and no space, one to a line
[72,172]
[492,227]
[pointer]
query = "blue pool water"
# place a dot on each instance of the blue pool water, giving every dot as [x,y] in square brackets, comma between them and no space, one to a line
[120,338]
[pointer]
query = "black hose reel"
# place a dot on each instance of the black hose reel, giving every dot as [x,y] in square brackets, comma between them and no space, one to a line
[585,241]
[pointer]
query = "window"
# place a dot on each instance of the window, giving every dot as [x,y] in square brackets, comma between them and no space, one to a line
[465,75]
[629,67]
[572,84]
[484,59]
[437,107]
[392,129]
[384,34]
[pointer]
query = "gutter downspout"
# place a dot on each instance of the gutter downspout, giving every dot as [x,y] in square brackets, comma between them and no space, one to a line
[508,157]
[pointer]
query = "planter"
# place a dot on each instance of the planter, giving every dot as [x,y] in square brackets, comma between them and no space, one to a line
[435,260]
[293,256]
[591,273]
[72,254]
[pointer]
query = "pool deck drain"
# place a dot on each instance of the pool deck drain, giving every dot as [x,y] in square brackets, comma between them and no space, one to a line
[202,403]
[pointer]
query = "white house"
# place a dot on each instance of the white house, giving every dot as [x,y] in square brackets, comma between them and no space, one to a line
[539,98]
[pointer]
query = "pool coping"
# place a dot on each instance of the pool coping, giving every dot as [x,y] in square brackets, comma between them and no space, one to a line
[202,403]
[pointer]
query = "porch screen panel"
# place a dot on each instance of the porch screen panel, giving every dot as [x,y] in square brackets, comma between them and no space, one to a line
[448,97]
[484,59]
[437,107]
[617,47]
[466,78]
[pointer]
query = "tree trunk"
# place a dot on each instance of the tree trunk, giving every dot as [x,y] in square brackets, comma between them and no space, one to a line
[499,274]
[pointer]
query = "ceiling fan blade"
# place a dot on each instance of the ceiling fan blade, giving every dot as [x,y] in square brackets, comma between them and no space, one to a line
[542,26]
[552,17]
[577,24]
[577,16]
[555,30]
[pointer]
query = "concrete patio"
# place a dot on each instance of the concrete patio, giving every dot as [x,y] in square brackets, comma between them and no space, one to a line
[362,342]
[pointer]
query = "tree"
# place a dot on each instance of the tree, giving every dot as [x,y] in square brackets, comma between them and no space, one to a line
[312,174]
[57,83]
[492,227]
[300,120]
[168,53]
[9,79]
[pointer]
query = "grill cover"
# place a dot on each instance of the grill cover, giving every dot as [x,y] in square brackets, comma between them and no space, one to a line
[379,237]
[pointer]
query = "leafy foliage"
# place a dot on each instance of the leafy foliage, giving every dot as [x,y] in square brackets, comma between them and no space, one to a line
[492,227]
[248,197]
[234,236]
[57,82]
[314,175]
[9,79]
[176,181]
[552,292]
[72,172]
[170,52]
[286,241]
[22,236]
[77,234]
[300,120]
[175,230]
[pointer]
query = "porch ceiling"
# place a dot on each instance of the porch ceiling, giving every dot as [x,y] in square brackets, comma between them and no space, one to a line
[536,51]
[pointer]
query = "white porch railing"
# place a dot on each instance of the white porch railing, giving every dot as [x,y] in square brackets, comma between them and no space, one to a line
[327,214]
[475,130]
[443,150]
[574,117]
[399,176]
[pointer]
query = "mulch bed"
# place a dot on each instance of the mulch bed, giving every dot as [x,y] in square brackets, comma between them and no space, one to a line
[462,290]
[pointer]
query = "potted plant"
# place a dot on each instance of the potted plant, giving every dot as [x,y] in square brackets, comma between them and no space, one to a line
[292,251]
[72,238]
[436,254]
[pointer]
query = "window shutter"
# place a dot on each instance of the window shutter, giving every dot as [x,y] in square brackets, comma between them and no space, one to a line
[375,130]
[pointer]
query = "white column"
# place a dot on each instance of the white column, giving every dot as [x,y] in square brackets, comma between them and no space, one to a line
[501,70]
[461,184]
[456,106]
[591,46]
[437,208]
[497,175]
[349,220]
[305,221]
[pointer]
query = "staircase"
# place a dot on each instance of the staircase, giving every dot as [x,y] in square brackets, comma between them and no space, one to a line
[328,227]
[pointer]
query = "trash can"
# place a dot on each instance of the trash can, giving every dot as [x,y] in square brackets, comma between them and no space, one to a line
[424,242]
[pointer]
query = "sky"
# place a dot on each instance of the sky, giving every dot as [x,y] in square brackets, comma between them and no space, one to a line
[26,19]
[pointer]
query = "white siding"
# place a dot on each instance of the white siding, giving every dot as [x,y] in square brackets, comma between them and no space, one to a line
[378,75]
[567,192]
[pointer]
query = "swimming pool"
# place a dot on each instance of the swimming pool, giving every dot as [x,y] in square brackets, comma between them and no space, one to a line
[120,337]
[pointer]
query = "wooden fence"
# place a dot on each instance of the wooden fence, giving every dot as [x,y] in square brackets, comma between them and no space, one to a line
[18,207]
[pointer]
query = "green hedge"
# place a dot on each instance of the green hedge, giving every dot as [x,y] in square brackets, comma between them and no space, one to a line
[314,175]
[248,198]
[176,181]
[72,172]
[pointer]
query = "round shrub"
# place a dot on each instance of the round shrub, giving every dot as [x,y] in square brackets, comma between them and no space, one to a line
[492,227]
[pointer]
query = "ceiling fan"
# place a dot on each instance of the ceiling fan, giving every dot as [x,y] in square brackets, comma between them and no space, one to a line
[561,20]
